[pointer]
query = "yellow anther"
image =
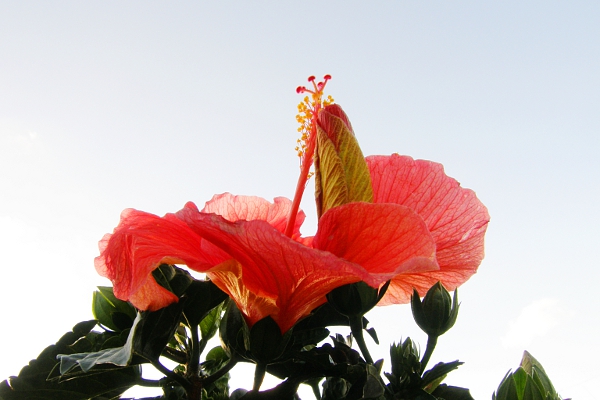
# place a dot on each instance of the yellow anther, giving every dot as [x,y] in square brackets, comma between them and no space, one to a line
[307,110]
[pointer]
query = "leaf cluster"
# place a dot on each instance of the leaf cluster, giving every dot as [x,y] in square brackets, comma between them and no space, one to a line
[102,358]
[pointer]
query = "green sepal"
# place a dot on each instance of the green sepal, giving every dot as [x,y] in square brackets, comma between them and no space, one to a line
[534,368]
[354,299]
[341,172]
[172,278]
[201,298]
[265,341]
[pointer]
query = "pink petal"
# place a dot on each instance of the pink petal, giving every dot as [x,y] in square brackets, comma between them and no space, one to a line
[276,266]
[249,208]
[386,239]
[455,217]
[228,277]
[138,245]
[151,296]
[246,208]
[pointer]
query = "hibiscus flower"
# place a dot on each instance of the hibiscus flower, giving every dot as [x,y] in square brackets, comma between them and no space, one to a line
[381,218]
[238,241]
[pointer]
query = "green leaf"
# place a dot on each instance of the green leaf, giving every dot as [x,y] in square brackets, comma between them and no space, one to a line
[155,329]
[35,382]
[119,356]
[111,312]
[200,298]
[452,393]
[373,388]
[210,324]
[439,370]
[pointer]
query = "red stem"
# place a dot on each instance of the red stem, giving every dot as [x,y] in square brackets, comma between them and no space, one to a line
[303,178]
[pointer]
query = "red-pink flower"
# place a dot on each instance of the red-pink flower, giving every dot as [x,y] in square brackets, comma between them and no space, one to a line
[455,218]
[238,242]
[383,218]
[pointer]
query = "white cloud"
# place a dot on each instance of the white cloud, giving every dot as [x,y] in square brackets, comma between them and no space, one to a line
[535,320]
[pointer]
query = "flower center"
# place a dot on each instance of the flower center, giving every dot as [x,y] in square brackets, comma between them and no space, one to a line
[308,113]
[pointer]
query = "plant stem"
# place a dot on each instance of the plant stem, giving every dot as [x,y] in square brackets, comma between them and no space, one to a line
[259,375]
[174,355]
[214,377]
[356,326]
[316,391]
[193,367]
[148,382]
[172,375]
[431,342]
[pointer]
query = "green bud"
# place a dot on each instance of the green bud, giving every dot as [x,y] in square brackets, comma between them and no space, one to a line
[406,367]
[529,381]
[335,388]
[437,313]
[355,299]
[265,341]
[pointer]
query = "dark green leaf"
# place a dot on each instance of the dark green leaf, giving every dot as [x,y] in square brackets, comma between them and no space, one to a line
[439,370]
[111,312]
[202,297]
[155,329]
[33,383]
[210,323]
[452,393]
[119,356]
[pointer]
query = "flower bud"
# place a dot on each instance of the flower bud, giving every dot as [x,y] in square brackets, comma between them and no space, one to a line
[341,172]
[437,313]
[355,299]
[265,341]
[529,381]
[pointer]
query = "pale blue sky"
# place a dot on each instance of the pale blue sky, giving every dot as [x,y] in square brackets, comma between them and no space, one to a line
[110,105]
